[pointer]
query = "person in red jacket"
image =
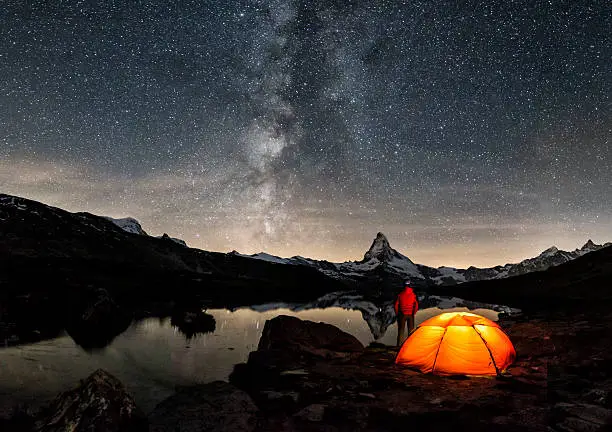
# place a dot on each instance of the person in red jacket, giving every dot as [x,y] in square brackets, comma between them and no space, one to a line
[406,306]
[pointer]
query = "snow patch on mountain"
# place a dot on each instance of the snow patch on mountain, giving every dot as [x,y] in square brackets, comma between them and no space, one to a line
[589,246]
[267,257]
[549,252]
[448,274]
[404,265]
[127,224]
[16,202]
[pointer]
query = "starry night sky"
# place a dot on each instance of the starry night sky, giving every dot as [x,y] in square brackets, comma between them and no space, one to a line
[468,132]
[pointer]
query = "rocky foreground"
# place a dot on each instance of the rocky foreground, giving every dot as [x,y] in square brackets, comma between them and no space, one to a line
[309,376]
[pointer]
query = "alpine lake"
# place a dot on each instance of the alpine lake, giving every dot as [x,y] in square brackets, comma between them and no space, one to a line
[152,357]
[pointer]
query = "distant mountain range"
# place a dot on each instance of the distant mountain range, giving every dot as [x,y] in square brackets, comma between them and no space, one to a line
[381,256]
[381,264]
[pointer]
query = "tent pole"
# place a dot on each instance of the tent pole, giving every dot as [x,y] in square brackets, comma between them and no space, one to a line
[438,350]
[487,347]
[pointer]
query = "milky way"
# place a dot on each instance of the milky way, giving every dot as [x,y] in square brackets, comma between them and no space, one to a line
[469,133]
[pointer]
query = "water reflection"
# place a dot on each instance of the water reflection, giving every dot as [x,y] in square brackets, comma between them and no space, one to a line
[152,356]
[193,323]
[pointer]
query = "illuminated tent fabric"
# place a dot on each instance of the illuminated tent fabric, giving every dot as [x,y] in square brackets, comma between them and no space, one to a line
[457,343]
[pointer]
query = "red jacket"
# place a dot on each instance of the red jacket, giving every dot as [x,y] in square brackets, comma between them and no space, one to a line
[407,302]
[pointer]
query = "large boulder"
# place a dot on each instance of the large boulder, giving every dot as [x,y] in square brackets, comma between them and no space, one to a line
[217,406]
[291,334]
[274,373]
[100,403]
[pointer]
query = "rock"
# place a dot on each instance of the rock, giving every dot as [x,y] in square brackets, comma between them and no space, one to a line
[598,396]
[573,424]
[295,372]
[290,396]
[100,403]
[217,406]
[166,237]
[562,381]
[17,418]
[583,417]
[307,337]
[369,389]
[312,413]
[289,344]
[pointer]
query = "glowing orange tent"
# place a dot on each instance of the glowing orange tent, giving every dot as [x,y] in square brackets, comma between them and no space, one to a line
[458,343]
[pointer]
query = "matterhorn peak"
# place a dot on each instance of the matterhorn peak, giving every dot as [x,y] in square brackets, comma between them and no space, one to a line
[380,249]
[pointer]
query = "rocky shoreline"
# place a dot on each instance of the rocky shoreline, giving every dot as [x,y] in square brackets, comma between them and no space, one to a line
[308,376]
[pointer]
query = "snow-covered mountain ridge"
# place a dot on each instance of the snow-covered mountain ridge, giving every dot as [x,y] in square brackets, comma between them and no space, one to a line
[381,257]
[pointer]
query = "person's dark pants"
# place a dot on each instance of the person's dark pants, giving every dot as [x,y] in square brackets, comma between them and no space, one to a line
[402,322]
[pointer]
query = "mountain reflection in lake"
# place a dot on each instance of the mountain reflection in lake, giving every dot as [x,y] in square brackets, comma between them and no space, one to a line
[152,357]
